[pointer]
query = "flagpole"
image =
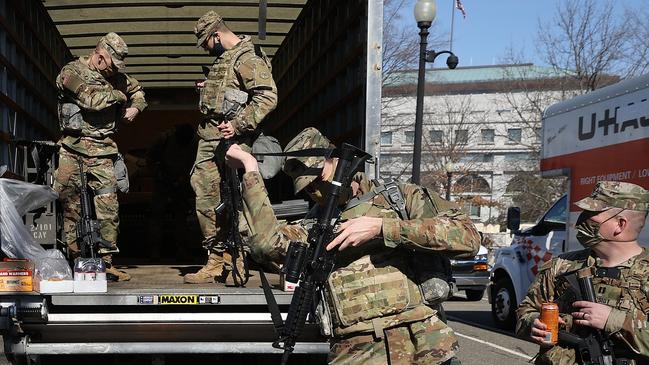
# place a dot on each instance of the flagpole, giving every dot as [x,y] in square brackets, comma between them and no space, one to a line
[452,23]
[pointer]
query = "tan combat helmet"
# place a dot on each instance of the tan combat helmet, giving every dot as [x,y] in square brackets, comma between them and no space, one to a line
[303,170]
[116,47]
[616,194]
[206,26]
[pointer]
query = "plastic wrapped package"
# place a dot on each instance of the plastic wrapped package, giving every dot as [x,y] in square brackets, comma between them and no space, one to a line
[16,199]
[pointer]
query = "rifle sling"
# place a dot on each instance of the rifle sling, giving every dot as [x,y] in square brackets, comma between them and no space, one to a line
[273,308]
[309,152]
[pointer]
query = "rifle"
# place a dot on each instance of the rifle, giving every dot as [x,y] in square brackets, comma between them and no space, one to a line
[593,346]
[88,235]
[231,205]
[310,264]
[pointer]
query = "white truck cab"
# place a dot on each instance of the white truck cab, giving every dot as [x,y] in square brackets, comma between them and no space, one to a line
[516,266]
[603,135]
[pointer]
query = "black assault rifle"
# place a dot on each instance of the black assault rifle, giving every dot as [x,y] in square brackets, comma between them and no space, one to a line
[592,346]
[231,205]
[310,264]
[88,235]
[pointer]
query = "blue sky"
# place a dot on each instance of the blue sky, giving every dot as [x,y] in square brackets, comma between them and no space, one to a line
[493,26]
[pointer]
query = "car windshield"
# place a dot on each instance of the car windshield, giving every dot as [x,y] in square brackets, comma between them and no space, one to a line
[558,212]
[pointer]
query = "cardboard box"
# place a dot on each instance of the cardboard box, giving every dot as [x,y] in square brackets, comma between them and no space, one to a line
[16,276]
[53,286]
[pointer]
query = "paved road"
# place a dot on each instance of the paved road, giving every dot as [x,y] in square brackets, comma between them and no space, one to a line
[480,343]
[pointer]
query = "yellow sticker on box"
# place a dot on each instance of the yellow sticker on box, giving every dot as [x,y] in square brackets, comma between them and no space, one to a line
[177,299]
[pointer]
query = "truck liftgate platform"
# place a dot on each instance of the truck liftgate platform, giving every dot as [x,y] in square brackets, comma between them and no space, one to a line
[154,313]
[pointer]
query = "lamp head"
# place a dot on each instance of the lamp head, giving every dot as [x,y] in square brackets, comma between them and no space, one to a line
[452,61]
[449,167]
[425,11]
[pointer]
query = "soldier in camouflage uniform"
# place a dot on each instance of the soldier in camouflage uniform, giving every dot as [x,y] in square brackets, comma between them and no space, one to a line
[93,97]
[608,227]
[236,96]
[373,300]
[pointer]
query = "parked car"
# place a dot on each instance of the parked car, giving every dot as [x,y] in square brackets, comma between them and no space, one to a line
[472,275]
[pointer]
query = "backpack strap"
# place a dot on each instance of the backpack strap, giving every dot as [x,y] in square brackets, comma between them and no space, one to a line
[390,191]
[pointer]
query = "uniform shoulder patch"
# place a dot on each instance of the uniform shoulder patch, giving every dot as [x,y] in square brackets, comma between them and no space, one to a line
[255,70]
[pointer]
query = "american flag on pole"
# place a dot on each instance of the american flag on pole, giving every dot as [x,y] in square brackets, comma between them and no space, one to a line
[460,7]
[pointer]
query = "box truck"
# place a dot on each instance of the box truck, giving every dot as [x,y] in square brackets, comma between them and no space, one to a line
[602,135]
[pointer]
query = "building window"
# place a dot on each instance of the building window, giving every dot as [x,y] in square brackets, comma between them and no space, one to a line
[517,156]
[386,138]
[471,209]
[488,135]
[488,157]
[514,135]
[436,136]
[410,137]
[462,136]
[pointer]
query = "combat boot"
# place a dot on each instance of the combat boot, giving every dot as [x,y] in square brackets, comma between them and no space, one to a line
[112,274]
[212,272]
[116,275]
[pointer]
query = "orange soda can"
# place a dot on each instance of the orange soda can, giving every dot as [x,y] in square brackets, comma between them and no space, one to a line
[550,317]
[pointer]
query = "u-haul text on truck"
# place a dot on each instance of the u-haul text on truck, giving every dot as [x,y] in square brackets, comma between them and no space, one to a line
[603,135]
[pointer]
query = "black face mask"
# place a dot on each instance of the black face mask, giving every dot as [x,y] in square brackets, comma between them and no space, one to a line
[217,50]
[319,189]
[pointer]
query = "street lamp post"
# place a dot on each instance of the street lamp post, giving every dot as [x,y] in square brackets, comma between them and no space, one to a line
[425,11]
[449,178]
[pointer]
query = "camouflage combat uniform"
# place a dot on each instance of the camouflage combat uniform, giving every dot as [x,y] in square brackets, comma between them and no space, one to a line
[241,68]
[101,102]
[625,287]
[377,310]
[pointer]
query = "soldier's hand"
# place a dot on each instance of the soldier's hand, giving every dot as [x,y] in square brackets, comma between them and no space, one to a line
[238,158]
[591,314]
[539,333]
[227,129]
[355,232]
[131,113]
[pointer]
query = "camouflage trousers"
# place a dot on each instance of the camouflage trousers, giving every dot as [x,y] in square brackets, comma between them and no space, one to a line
[205,180]
[100,174]
[424,342]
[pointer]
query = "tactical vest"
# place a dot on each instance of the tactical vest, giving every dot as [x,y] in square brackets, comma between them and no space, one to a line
[619,287]
[372,289]
[223,95]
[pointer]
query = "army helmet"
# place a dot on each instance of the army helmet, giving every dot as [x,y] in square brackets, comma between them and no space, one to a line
[116,47]
[206,26]
[304,170]
[616,194]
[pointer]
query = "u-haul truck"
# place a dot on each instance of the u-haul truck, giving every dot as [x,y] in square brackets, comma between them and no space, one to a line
[603,135]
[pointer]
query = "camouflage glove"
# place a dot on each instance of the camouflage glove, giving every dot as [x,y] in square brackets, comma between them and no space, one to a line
[119,96]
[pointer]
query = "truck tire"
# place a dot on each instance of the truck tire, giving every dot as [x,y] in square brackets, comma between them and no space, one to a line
[503,304]
[474,295]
